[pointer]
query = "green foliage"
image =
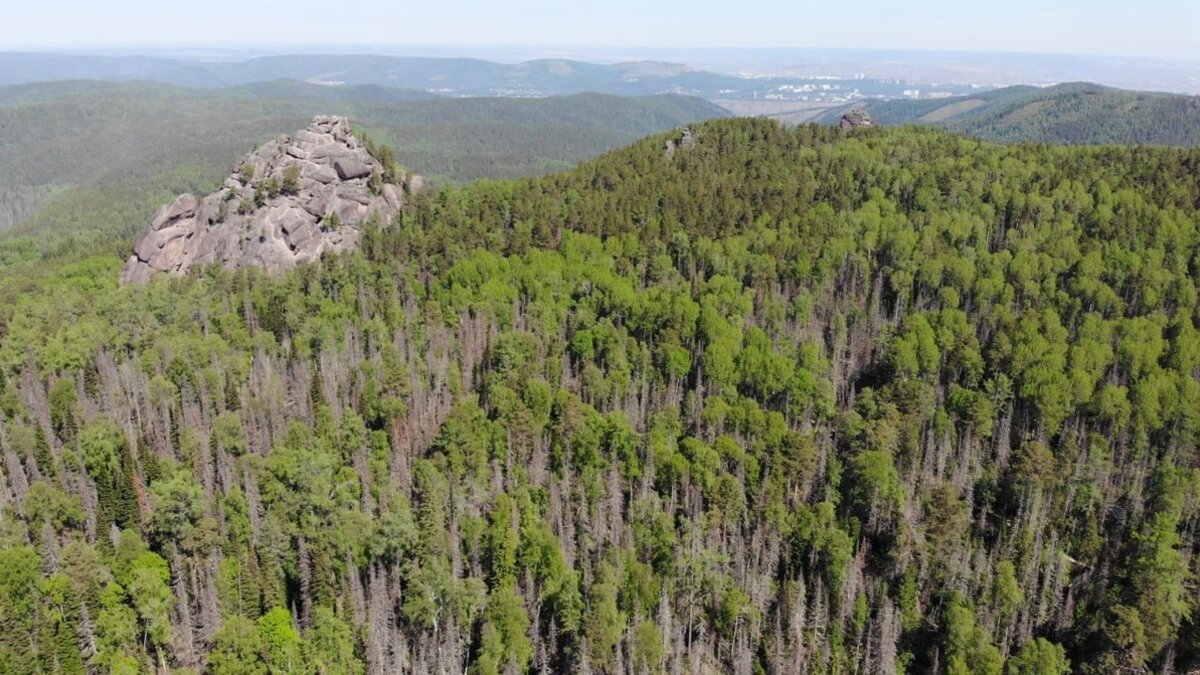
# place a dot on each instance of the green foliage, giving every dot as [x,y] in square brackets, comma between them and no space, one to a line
[877,491]
[280,639]
[46,503]
[330,647]
[1039,656]
[238,649]
[147,582]
[969,650]
[604,624]
[1006,591]
[178,508]
[505,644]
[291,180]
[117,632]
[63,401]
[648,649]
[817,531]
[19,579]
[1159,573]
[787,399]
[101,444]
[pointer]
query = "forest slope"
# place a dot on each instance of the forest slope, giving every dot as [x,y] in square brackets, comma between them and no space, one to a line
[1075,113]
[788,400]
[87,161]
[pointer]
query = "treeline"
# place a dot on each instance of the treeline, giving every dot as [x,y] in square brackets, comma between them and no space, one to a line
[783,400]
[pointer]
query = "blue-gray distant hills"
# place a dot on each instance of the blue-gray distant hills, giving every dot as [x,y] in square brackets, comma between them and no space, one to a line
[447,76]
[457,76]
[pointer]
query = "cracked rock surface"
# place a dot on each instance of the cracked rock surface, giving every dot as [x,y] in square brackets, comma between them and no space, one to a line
[288,202]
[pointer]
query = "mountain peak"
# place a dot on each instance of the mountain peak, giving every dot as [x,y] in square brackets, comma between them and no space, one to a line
[287,202]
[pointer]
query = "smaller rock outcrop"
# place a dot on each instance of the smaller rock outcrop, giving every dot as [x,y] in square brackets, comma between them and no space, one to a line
[684,140]
[288,202]
[855,118]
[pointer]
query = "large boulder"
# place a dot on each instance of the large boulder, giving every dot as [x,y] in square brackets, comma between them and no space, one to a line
[276,209]
[183,206]
[349,168]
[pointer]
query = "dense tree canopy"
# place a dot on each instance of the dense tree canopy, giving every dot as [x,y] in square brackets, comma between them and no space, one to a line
[786,400]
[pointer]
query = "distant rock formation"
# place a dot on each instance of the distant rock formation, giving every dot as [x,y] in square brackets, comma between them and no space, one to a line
[685,140]
[288,202]
[855,118]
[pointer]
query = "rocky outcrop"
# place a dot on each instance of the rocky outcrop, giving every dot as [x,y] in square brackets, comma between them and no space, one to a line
[684,140]
[855,118]
[288,202]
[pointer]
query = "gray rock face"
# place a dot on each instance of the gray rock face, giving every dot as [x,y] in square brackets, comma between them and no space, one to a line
[348,169]
[290,201]
[855,118]
[685,140]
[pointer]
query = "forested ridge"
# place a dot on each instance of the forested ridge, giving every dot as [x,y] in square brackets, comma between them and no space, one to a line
[781,400]
[1074,113]
[84,163]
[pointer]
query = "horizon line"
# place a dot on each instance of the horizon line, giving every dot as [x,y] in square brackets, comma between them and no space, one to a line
[365,49]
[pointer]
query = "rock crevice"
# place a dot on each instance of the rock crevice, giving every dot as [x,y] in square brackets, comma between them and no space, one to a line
[290,201]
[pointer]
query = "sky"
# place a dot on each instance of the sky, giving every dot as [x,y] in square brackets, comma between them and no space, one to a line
[1150,28]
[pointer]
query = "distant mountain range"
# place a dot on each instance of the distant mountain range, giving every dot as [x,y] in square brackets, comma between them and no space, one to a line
[1077,113]
[1074,113]
[452,76]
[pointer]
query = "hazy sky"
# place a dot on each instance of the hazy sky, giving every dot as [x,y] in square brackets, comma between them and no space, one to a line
[1169,28]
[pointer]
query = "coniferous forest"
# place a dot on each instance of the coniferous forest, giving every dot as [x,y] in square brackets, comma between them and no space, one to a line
[774,400]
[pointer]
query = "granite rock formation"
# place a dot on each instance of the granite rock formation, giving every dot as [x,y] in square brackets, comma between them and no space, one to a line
[855,118]
[288,202]
[684,140]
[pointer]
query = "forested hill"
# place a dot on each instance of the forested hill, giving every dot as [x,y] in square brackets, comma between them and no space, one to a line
[85,162]
[1074,113]
[786,400]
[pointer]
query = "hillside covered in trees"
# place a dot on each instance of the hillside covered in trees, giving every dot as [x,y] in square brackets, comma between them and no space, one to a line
[1077,113]
[783,400]
[83,163]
